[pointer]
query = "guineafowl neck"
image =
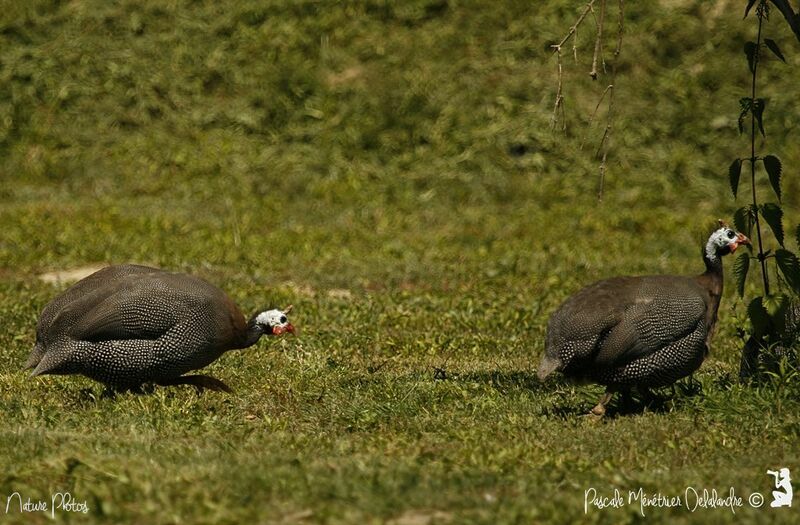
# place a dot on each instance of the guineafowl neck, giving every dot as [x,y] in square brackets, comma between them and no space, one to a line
[713,266]
[251,335]
[711,280]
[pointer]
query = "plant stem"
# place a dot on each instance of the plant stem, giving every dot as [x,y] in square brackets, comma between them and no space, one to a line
[586,10]
[598,43]
[761,258]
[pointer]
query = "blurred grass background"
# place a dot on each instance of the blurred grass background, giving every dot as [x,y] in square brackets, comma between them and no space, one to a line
[388,167]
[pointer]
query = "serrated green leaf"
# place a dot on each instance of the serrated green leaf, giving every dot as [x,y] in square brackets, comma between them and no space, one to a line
[734,172]
[740,268]
[751,51]
[789,266]
[773,303]
[792,18]
[743,220]
[745,104]
[773,46]
[773,214]
[773,166]
[758,113]
[750,4]
[759,317]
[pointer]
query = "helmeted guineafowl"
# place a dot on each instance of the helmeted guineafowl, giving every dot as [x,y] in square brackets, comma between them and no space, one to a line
[127,325]
[643,332]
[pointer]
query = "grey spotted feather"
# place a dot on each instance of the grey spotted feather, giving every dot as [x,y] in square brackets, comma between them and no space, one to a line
[126,325]
[643,332]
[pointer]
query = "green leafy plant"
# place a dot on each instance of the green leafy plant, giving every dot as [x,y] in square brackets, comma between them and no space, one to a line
[768,313]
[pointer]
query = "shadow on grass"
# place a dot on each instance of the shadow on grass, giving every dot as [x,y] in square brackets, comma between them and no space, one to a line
[617,408]
[621,405]
[95,394]
[662,401]
[634,402]
[501,381]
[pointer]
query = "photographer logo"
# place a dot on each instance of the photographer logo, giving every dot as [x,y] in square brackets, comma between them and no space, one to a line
[783,496]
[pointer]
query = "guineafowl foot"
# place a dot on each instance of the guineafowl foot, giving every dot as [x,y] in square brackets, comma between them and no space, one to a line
[110,392]
[200,382]
[600,409]
[88,394]
[689,387]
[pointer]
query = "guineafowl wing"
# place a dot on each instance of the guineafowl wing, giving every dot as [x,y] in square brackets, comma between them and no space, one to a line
[88,289]
[665,309]
[142,306]
[579,325]
[80,290]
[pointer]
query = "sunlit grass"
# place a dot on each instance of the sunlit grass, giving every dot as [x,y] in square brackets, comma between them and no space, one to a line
[362,161]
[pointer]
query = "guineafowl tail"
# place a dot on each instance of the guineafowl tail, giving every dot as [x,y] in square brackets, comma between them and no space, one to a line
[36,355]
[548,365]
[57,363]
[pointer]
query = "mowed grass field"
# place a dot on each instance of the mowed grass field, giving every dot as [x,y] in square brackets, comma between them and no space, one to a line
[389,169]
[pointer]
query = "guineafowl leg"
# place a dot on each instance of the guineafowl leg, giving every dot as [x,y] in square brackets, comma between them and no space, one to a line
[111,391]
[626,399]
[199,381]
[600,409]
[650,397]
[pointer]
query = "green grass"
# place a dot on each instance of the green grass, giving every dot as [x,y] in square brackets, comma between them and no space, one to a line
[358,160]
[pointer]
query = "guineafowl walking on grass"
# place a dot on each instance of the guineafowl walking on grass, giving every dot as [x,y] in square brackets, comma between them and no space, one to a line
[643,332]
[127,325]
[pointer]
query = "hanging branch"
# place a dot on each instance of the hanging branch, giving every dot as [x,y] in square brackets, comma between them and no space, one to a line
[598,67]
[559,104]
[605,142]
[574,28]
[598,41]
[594,113]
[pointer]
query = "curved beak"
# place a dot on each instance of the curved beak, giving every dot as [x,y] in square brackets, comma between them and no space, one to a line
[740,239]
[280,330]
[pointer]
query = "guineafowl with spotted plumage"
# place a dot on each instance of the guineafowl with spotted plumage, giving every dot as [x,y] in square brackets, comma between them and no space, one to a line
[639,332]
[127,325]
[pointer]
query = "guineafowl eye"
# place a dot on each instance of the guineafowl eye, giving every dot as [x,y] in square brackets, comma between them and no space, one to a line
[731,235]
